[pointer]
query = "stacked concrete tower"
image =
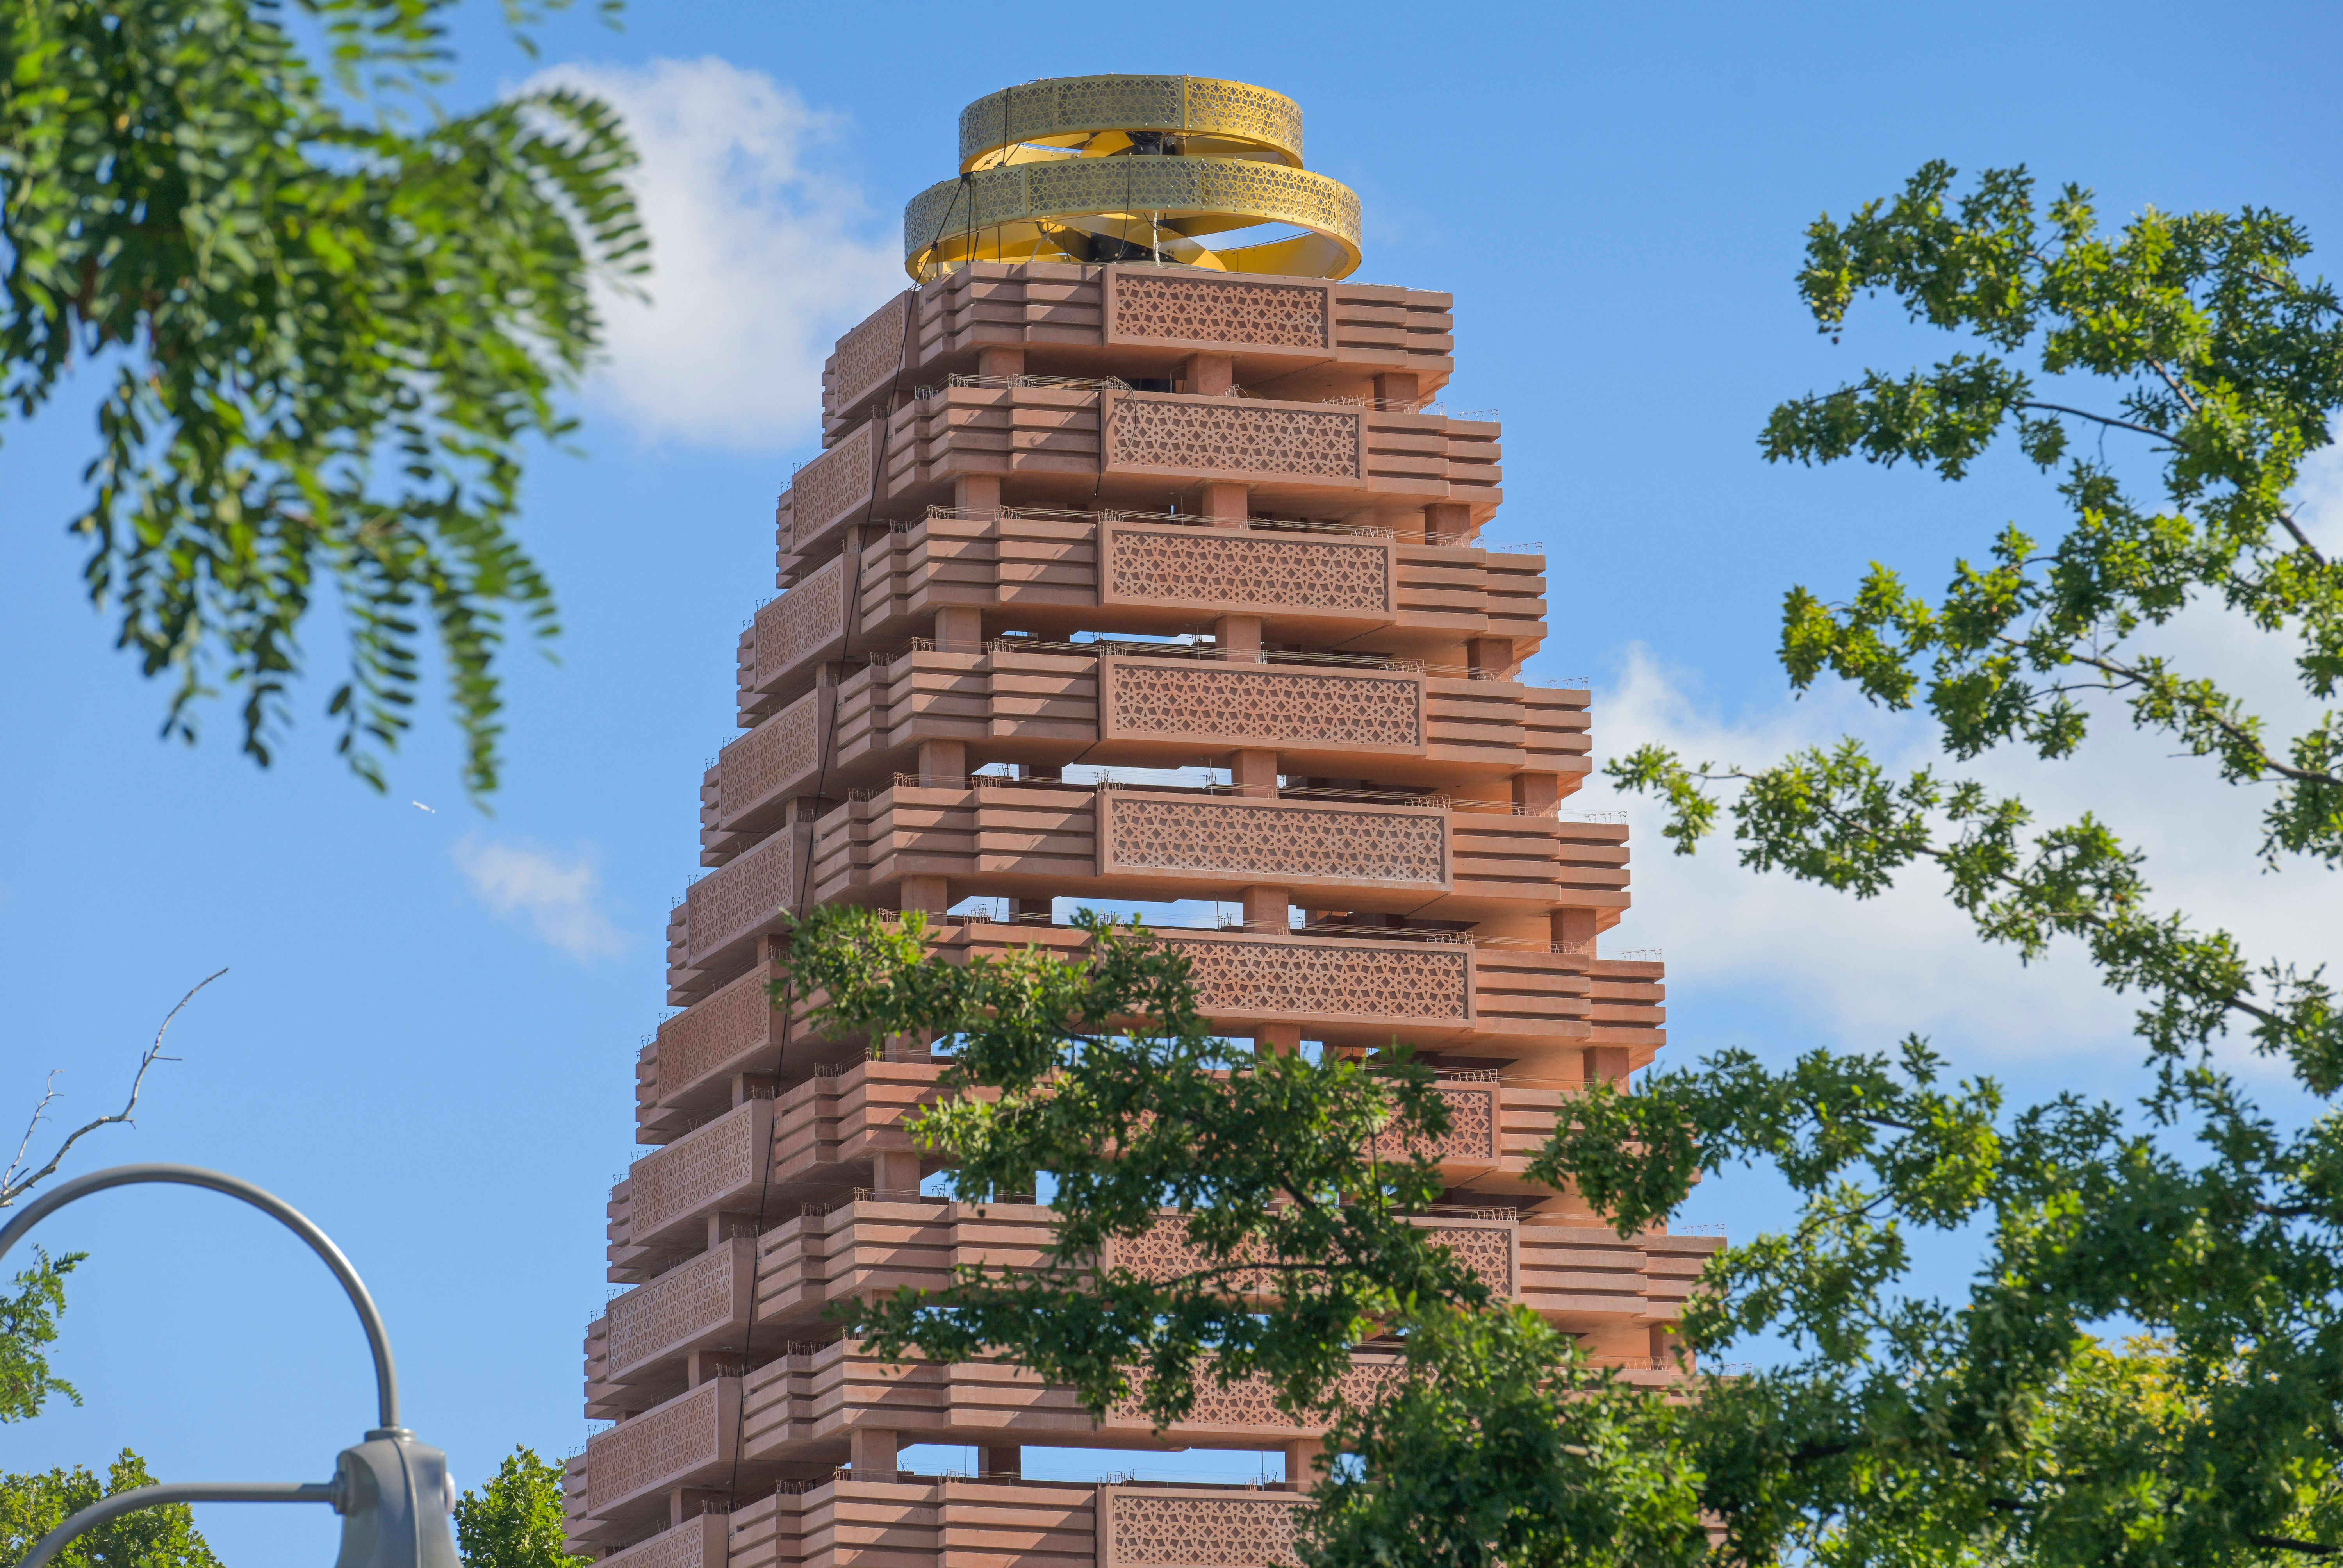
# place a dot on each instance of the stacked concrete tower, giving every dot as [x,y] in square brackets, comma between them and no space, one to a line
[1102,507]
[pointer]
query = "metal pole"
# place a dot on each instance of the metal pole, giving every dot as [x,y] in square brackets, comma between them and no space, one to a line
[123,1503]
[393,1493]
[386,1376]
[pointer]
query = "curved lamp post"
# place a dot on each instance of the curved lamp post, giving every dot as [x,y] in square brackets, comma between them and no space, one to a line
[393,1493]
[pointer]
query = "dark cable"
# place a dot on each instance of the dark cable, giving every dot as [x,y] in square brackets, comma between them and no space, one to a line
[851,611]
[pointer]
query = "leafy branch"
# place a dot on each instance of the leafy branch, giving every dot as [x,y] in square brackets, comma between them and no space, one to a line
[329,339]
[1833,817]
[1100,1074]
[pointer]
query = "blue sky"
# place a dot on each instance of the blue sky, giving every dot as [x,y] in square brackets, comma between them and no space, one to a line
[425,1033]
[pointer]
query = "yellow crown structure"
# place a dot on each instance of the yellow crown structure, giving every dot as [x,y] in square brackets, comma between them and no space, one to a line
[1133,168]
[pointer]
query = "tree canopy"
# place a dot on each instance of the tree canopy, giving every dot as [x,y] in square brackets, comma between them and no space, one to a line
[1099,1076]
[28,1326]
[1904,1426]
[515,1520]
[328,320]
[33,1505]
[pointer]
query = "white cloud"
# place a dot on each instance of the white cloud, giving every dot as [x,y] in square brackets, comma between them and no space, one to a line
[1865,972]
[760,257]
[2318,498]
[560,895]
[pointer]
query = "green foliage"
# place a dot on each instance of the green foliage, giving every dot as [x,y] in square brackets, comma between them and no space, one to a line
[1502,1446]
[33,1505]
[2108,1429]
[328,338]
[1833,816]
[1294,1173]
[2082,1221]
[28,1321]
[1903,1428]
[516,1520]
[2215,352]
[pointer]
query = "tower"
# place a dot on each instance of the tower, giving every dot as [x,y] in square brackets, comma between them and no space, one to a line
[1132,570]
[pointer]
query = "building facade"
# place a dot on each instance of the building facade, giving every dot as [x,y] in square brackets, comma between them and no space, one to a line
[1100,505]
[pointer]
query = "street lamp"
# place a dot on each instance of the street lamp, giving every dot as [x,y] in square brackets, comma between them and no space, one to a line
[393,1493]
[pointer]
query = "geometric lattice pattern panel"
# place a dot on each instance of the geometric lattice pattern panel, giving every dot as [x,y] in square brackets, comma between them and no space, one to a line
[1297,843]
[1239,108]
[1272,708]
[1190,184]
[1223,567]
[784,748]
[1140,1528]
[1472,1128]
[733,900]
[703,1037]
[789,628]
[1315,979]
[1485,1249]
[681,1436]
[698,1169]
[1249,1401]
[1206,311]
[1165,1253]
[1471,1125]
[868,355]
[1230,436]
[702,1542]
[831,487]
[690,1300]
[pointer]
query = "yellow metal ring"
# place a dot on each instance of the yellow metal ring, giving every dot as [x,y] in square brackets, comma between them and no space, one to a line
[1134,209]
[1079,113]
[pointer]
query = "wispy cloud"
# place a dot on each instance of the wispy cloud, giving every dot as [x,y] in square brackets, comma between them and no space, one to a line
[558,895]
[762,257]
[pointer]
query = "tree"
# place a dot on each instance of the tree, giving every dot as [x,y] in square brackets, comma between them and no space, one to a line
[1494,1441]
[33,1505]
[516,1520]
[327,336]
[1909,1428]
[1101,1075]
[1504,1446]
[28,1323]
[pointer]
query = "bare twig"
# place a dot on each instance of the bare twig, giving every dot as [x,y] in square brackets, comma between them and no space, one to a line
[2284,518]
[2173,382]
[2300,537]
[2121,677]
[12,1185]
[2109,421]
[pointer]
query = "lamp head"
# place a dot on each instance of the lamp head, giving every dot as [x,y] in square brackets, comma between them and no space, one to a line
[395,1496]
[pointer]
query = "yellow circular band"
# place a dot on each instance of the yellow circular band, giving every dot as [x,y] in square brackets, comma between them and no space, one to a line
[1134,209]
[1068,111]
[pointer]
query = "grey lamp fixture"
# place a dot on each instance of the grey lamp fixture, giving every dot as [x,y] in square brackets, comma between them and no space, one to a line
[393,1493]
